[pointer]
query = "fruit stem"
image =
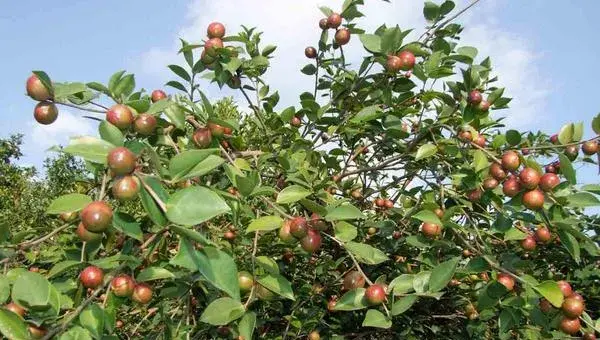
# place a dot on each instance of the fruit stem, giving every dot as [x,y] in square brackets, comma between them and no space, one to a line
[160,203]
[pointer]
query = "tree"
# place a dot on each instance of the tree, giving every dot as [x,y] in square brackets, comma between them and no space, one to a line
[388,203]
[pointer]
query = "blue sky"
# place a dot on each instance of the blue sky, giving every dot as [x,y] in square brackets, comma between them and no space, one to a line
[545,51]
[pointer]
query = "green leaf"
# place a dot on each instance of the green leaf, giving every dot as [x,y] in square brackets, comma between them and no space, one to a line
[514,234]
[566,169]
[426,150]
[4,289]
[468,51]
[12,326]
[207,165]
[345,231]
[277,284]
[371,42]
[68,203]
[480,160]
[442,274]
[565,135]
[159,106]
[326,10]
[246,325]
[344,212]
[447,7]
[222,311]
[127,224]
[64,90]
[367,114]
[92,318]
[45,79]
[176,85]
[191,234]
[195,205]
[292,194]
[577,131]
[428,216]
[63,266]
[183,163]
[76,333]
[495,95]
[176,115]
[154,273]
[309,69]
[375,318]
[402,284]
[125,86]
[268,50]
[140,105]
[268,264]
[32,291]
[582,199]
[89,148]
[353,300]
[513,137]
[365,253]
[180,71]
[154,211]
[265,223]
[403,304]
[111,133]
[507,320]
[114,80]
[570,243]
[551,291]
[421,281]
[431,11]
[596,124]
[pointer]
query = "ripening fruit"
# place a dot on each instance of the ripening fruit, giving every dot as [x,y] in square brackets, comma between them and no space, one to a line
[68,216]
[97,216]
[543,235]
[529,178]
[465,136]
[211,46]
[506,280]
[375,294]
[511,187]
[126,188]
[439,212]
[396,235]
[549,181]
[120,116]
[356,194]
[229,235]
[431,230]
[389,204]
[490,183]
[317,223]
[576,296]
[45,113]
[572,308]
[323,24]
[545,306]
[565,288]
[484,106]
[122,285]
[207,59]
[590,147]
[533,199]
[13,307]
[407,59]
[86,235]
[474,97]
[380,202]
[246,281]
[91,277]
[372,231]
[36,90]
[142,293]
[298,227]
[37,332]
[497,172]
[158,95]
[215,30]
[475,195]
[554,139]
[510,161]
[284,232]
[588,336]
[570,326]
[310,52]
[314,335]
[263,293]
[393,63]
[216,130]
[480,141]
[334,20]
[571,152]
[312,241]
[528,243]
[202,137]
[550,169]
[342,36]
[121,161]
[144,124]
[353,280]
[295,121]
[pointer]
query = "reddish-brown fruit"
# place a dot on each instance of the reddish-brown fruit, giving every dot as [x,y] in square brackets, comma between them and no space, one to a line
[549,181]
[439,212]
[37,332]
[590,147]
[227,130]
[389,204]
[510,161]
[475,195]
[545,306]
[570,326]
[97,216]
[528,243]
[126,188]
[589,336]
[331,305]
[380,202]
[323,24]
[431,230]
[312,241]
[525,151]
[215,30]
[571,152]
[216,130]
[572,308]
[86,235]
[550,169]
[296,121]
[543,235]
[484,106]
[576,296]
[314,335]
[407,59]
[465,136]
[229,235]
[467,253]
[480,141]
[353,280]
[393,63]
[554,139]
[122,285]
[356,194]
[34,269]
[565,288]
[142,293]
[35,89]
[529,178]
[497,171]
[533,199]
[375,294]
[474,97]
[121,161]
[145,124]
[119,324]
[13,307]
[511,187]
[506,280]
[245,281]
[284,232]
[334,20]
[45,113]
[211,46]
[298,227]
[454,283]
[396,235]
[120,116]
[202,137]
[318,223]
[310,52]
[342,36]
[157,95]
[91,277]
[490,183]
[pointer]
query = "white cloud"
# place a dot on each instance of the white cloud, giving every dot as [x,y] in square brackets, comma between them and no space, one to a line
[66,125]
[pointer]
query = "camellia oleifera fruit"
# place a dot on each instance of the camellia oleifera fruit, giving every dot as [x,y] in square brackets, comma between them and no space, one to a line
[36,89]
[120,116]
[122,285]
[45,113]
[126,188]
[142,293]
[145,124]
[158,95]
[215,30]
[91,277]
[97,216]
[375,294]
[121,161]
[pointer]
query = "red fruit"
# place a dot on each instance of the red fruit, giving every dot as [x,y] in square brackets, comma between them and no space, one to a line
[323,24]
[550,169]
[215,30]
[312,241]
[570,326]
[511,187]
[229,235]
[120,116]
[216,130]
[484,106]
[334,20]
[245,281]
[475,195]
[158,95]
[91,277]
[474,97]
[86,235]
[35,89]
[353,280]
[121,161]
[533,199]
[284,232]
[331,305]
[45,113]
[122,285]
[525,151]
[298,227]
[565,288]
[431,230]
[480,141]
[13,307]
[37,332]
[497,171]
[571,152]
[310,52]
[119,324]
[145,124]
[396,235]
[202,137]
[375,294]
[388,204]
[528,243]
[543,235]
[296,122]
[510,161]
[142,293]
[342,36]
[465,136]
[549,181]
[576,296]
[554,139]
[590,147]
[317,223]
[97,216]
[545,306]
[572,308]
[407,59]
[126,188]
[588,336]
[380,202]
[490,183]
[211,46]
[393,63]
[506,280]
[529,178]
